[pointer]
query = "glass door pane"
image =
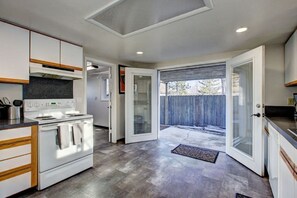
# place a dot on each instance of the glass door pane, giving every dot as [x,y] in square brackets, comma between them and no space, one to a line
[142,104]
[242,96]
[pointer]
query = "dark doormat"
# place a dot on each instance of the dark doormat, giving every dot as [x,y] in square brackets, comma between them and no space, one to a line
[238,195]
[204,154]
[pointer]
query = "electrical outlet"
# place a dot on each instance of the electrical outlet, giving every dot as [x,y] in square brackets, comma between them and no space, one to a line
[291,101]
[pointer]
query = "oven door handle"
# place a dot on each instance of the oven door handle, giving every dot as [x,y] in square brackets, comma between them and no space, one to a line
[49,128]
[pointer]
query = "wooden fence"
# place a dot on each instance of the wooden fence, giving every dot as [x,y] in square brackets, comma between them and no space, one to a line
[194,110]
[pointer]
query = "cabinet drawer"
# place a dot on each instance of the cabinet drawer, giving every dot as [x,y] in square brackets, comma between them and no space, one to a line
[15,133]
[15,184]
[15,152]
[15,162]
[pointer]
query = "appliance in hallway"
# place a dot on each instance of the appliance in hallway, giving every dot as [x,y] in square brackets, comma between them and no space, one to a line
[65,139]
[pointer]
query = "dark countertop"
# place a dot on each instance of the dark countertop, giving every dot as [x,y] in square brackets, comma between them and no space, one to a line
[10,124]
[282,124]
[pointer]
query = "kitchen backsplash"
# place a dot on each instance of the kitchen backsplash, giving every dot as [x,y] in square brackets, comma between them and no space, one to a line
[45,88]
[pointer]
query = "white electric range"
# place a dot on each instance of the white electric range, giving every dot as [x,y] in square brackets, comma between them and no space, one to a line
[56,164]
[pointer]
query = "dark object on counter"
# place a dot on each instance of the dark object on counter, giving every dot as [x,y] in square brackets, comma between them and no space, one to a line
[17,103]
[280,111]
[5,101]
[4,111]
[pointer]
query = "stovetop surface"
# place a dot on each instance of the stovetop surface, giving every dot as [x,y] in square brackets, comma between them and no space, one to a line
[65,118]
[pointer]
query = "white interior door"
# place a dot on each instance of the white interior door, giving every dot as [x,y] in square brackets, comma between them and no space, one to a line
[141,100]
[109,88]
[245,82]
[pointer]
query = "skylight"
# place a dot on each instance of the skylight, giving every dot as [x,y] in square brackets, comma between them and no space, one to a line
[128,17]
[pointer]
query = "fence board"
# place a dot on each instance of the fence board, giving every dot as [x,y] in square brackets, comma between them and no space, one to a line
[194,110]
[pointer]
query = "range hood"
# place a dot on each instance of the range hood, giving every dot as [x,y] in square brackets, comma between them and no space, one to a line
[44,71]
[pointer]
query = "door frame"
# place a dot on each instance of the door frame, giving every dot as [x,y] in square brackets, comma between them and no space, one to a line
[256,162]
[114,114]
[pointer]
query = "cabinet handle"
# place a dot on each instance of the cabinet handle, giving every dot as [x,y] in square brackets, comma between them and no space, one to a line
[290,164]
[266,130]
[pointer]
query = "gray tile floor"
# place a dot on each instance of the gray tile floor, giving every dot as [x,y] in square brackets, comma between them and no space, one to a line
[149,169]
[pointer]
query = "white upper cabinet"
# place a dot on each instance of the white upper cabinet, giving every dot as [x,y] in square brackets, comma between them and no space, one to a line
[14,54]
[45,49]
[291,61]
[71,55]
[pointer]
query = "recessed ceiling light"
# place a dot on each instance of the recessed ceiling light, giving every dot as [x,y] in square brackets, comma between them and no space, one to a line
[139,53]
[242,29]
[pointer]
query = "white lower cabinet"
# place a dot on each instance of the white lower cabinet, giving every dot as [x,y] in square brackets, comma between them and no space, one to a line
[18,160]
[15,184]
[287,169]
[282,165]
[286,181]
[273,150]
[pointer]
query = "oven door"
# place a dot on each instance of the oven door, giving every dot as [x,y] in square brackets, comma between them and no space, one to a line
[51,156]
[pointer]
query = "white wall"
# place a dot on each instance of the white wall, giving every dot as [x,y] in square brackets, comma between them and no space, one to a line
[11,91]
[275,91]
[199,60]
[95,105]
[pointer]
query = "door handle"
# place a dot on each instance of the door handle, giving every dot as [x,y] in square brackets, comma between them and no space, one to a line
[256,114]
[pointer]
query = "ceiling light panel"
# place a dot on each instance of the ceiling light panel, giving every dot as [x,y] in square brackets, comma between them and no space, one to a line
[128,17]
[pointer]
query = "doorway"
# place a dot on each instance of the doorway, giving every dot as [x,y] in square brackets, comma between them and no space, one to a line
[193,106]
[99,100]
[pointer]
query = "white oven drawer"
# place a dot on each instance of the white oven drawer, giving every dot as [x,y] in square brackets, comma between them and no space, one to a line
[15,162]
[9,134]
[15,184]
[15,151]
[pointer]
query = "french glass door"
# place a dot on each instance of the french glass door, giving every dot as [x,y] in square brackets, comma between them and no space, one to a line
[141,97]
[244,136]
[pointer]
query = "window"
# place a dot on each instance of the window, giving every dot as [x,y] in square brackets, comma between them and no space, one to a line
[105,88]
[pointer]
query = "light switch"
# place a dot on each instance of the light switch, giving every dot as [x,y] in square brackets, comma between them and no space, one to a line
[291,101]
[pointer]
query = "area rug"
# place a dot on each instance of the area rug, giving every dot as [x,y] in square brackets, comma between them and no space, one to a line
[204,154]
[238,195]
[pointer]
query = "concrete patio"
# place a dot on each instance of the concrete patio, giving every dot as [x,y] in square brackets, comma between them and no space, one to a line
[194,137]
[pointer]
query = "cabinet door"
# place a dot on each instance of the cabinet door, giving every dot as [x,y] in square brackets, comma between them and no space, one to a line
[287,164]
[286,180]
[273,149]
[291,61]
[45,50]
[71,55]
[14,54]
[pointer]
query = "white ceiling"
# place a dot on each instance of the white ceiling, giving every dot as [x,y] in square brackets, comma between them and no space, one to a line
[269,22]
